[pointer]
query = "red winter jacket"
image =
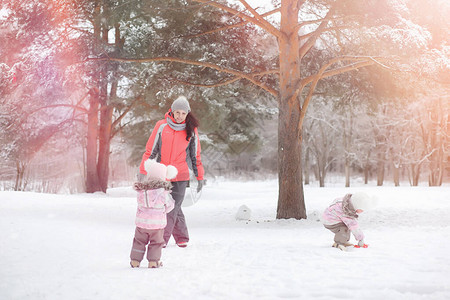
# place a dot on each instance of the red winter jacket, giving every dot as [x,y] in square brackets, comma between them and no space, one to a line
[170,147]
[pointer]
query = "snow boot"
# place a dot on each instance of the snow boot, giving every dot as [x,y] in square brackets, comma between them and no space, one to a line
[339,246]
[345,245]
[135,264]
[182,244]
[154,264]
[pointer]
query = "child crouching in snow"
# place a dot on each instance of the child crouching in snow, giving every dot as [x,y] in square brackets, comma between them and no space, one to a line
[154,202]
[341,219]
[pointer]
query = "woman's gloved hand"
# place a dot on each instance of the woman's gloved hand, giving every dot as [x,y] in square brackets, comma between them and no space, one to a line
[200,185]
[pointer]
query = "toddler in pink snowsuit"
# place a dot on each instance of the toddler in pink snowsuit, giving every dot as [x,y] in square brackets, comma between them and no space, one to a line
[341,219]
[154,202]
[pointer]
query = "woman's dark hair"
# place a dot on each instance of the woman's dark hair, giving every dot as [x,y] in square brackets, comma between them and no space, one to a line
[191,124]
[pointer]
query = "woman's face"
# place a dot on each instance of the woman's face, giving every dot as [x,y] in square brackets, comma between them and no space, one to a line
[179,116]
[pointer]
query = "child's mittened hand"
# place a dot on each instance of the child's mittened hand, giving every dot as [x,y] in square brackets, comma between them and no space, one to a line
[361,243]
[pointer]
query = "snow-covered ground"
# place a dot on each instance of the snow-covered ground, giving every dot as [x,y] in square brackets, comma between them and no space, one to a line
[77,247]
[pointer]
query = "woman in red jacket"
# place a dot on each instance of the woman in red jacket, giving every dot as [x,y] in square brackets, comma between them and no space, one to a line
[174,141]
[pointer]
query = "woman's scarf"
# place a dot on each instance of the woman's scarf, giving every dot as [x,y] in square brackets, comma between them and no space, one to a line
[175,126]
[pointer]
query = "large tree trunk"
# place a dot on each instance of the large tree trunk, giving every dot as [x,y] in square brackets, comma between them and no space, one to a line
[106,112]
[92,182]
[100,160]
[291,203]
[104,146]
[92,179]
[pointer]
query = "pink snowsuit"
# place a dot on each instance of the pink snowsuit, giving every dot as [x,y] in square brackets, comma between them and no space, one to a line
[340,217]
[154,202]
[153,206]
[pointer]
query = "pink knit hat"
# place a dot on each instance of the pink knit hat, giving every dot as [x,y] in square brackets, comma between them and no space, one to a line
[156,170]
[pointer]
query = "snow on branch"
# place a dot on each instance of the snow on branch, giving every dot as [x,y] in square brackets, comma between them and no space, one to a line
[230,26]
[218,84]
[357,62]
[259,21]
[313,38]
[249,77]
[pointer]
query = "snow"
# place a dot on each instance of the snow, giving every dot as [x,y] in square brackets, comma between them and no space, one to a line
[77,247]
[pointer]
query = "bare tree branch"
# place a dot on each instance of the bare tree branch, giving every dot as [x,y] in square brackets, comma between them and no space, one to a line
[240,74]
[264,25]
[222,83]
[76,107]
[229,26]
[225,82]
[122,115]
[313,38]
[363,61]
[300,4]
[358,62]
[324,30]
[259,17]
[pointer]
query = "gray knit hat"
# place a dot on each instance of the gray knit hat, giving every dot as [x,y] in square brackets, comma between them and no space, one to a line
[181,104]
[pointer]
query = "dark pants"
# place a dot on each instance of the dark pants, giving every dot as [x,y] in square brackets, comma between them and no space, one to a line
[176,223]
[152,237]
[341,232]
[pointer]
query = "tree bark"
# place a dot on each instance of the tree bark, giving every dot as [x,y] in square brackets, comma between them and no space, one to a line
[380,170]
[396,170]
[414,174]
[104,146]
[307,167]
[347,135]
[20,174]
[92,181]
[321,173]
[436,144]
[291,203]
[366,173]
[98,162]
[347,172]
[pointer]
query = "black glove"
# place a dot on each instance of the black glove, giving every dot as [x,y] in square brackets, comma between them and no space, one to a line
[200,185]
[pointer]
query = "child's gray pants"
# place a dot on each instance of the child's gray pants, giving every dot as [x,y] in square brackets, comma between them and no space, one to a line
[176,223]
[341,232]
[152,237]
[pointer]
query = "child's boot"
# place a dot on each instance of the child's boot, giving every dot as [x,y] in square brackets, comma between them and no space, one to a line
[135,264]
[342,247]
[154,264]
[339,246]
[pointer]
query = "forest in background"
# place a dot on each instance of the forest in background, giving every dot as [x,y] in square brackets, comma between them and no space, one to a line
[71,106]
